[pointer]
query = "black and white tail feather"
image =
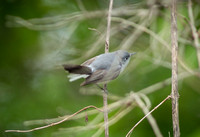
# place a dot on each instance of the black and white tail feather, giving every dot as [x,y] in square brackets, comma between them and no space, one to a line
[77,72]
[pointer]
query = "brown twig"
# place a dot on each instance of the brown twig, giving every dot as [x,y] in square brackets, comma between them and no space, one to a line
[120,101]
[108,27]
[174,92]
[55,123]
[105,103]
[194,31]
[150,118]
[105,100]
[128,134]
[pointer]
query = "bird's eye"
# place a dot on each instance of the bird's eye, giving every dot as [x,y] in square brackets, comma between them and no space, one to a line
[125,58]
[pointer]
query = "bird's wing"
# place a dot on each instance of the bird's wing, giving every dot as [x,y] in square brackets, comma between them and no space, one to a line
[94,78]
[88,62]
[99,62]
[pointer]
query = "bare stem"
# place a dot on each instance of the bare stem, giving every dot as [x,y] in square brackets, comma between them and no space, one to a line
[174,92]
[55,123]
[194,31]
[105,100]
[150,118]
[128,135]
[105,94]
[108,27]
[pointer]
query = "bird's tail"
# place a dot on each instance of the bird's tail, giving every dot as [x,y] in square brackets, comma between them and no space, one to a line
[77,71]
[73,77]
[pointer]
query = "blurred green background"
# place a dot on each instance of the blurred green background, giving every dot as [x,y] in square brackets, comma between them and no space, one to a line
[38,36]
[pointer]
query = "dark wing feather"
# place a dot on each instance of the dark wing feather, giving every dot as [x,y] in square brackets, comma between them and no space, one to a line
[77,69]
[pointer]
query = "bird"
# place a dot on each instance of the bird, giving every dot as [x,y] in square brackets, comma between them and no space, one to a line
[99,69]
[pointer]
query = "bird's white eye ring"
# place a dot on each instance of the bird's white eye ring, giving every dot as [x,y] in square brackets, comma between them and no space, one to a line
[125,58]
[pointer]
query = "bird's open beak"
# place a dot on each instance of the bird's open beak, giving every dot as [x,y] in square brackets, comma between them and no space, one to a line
[133,53]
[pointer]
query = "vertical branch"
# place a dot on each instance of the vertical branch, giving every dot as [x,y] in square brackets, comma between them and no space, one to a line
[105,94]
[194,31]
[174,93]
[105,85]
[108,27]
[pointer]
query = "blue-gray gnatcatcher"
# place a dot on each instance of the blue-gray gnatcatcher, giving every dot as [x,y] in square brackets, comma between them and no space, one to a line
[99,69]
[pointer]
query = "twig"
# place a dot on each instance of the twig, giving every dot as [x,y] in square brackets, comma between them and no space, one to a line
[105,103]
[128,135]
[113,106]
[93,29]
[108,27]
[174,92]
[142,28]
[145,99]
[55,123]
[105,100]
[129,40]
[150,118]
[153,34]
[124,110]
[119,115]
[58,21]
[81,5]
[194,31]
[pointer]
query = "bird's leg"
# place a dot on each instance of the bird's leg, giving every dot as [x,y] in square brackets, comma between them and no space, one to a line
[104,90]
[99,87]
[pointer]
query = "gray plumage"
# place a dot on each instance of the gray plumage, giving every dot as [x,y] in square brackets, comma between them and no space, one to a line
[102,68]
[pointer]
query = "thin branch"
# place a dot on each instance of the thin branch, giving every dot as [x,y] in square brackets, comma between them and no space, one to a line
[174,92]
[113,106]
[108,27]
[194,31]
[105,99]
[142,28]
[128,135]
[93,29]
[153,34]
[105,103]
[58,21]
[81,5]
[55,123]
[119,115]
[150,118]
[129,40]
[100,126]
